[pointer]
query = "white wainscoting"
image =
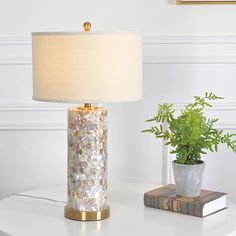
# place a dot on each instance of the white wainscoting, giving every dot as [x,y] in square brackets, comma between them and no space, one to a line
[33,135]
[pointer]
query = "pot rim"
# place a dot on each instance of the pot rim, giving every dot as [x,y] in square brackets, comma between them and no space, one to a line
[177,164]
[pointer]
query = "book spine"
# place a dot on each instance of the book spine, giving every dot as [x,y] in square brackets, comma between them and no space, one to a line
[169,204]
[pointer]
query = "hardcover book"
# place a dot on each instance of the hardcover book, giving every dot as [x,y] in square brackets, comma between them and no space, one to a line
[165,198]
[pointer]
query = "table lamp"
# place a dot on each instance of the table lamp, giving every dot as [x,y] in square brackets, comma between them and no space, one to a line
[87,67]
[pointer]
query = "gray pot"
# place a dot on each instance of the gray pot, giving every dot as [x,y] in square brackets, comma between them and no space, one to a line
[188,179]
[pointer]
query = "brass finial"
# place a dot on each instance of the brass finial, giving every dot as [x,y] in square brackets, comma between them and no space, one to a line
[87,26]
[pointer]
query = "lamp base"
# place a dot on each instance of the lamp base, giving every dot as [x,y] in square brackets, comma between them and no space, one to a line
[87,164]
[87,216]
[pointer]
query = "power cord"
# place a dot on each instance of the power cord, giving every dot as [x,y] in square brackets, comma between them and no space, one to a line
[41,198]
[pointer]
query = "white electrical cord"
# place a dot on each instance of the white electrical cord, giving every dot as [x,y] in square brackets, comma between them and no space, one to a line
[41,198]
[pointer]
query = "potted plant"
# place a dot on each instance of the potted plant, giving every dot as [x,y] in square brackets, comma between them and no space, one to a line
[190,135]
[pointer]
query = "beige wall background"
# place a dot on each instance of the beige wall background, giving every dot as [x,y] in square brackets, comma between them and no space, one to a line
[162,17]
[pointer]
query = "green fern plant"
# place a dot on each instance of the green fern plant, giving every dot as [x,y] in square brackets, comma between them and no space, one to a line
[191,133]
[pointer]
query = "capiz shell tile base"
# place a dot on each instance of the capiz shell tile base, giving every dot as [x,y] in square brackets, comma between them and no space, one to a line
[87,163]
[87,216]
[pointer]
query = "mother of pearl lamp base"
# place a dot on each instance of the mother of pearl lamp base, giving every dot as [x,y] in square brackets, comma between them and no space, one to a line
[87,164]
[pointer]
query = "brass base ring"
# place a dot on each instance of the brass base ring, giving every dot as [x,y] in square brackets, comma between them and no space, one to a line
[87,215]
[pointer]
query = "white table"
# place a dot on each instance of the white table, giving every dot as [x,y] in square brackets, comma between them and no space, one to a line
[22,216]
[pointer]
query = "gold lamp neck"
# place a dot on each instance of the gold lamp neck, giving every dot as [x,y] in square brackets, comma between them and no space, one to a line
[87,26]
[88,106]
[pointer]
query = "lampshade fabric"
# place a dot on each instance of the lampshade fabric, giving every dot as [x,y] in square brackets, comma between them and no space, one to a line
[87,66]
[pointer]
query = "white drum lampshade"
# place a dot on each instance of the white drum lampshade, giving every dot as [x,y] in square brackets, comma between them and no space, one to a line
[87,67]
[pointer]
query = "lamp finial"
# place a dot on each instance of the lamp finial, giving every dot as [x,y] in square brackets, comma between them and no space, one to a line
[87,26]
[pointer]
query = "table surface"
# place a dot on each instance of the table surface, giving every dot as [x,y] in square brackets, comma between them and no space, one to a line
[24,216]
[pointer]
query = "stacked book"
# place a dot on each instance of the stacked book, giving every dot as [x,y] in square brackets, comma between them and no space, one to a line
[165,198]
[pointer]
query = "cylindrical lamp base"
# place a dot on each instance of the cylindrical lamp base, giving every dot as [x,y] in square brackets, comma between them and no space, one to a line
[87,216]
[87,164]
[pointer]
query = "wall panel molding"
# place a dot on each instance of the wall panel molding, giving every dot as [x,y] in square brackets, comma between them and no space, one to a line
[147,39]
[10,40]
[14,126]
[217,106]
[154,39]
[157,50]
[51,107]
[15,60]
[26,108]
[32,106]
[190,59]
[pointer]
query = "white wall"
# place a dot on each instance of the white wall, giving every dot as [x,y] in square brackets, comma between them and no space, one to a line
[162,17]
[33,135]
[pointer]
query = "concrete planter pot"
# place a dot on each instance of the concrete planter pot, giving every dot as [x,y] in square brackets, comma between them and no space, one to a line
[188,179]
